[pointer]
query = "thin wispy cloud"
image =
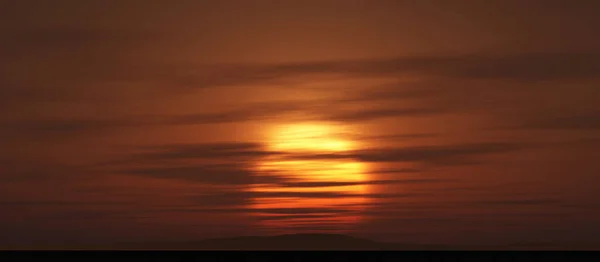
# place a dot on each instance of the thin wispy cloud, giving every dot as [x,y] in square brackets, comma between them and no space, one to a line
[522,67]
[369,182]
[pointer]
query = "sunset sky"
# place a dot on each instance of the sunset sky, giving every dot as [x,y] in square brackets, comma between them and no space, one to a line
[451,122]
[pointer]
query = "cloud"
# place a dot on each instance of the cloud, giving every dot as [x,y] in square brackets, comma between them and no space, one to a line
[66,40]
[441,97]
[467,208]
[225,150]
[519,202]
[42,203]
[242,202]
[89,57]
[397,171]
[390,92]
[13,93]
[65,127]
[17,168]
[207,175]
[115,43]
[68,126]
[524,67]
[425,154]
[61,128]
[239,202]
[325,109]
[399,136]
[436,153]
[378,113]
[254,111]
[585,121]
[370,182]
[296,194]
[236,154]
[241,208]
[235,169]
[294,217]
[301,210]
[232,170]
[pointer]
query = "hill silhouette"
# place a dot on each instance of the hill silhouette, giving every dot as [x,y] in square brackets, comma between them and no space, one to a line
[293,242]
[282,242]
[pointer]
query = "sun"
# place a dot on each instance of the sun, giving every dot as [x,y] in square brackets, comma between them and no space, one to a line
[309,137]
[312,138]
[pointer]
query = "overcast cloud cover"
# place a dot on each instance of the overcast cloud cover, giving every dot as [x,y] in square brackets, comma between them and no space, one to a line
[144,120]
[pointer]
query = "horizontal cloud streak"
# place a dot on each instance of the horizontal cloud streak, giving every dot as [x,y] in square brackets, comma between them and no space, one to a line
[206,175]
[371,182]
[428,154]
[377,113]
[241,201]
[206,150]
[586,121]
[239,153]
[526,67]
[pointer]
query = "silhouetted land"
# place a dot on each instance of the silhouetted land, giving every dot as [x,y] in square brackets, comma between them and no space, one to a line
[286,242]
[296,242]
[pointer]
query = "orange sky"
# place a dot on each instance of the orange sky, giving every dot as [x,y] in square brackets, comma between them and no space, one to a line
[411,121]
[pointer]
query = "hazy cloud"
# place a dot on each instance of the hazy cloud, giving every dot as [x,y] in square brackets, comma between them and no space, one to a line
[586,121]
[103,73]
[461,153]
[294,217]
[225,150]
[241,202]
[519,202]
[236,155]
[525,67]
[66,40]
[370,182]
[377,113]
[400,136]
[298,194]
[518,67]
[68,126]
[207,175]
[391,92]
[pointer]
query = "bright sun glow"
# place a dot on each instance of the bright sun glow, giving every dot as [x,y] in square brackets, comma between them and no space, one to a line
[312,138]
[309,138]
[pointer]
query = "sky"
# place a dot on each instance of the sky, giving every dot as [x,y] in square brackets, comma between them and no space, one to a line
[443,122]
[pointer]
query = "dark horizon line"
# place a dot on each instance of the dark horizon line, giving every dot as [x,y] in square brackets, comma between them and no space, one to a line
[304,241]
